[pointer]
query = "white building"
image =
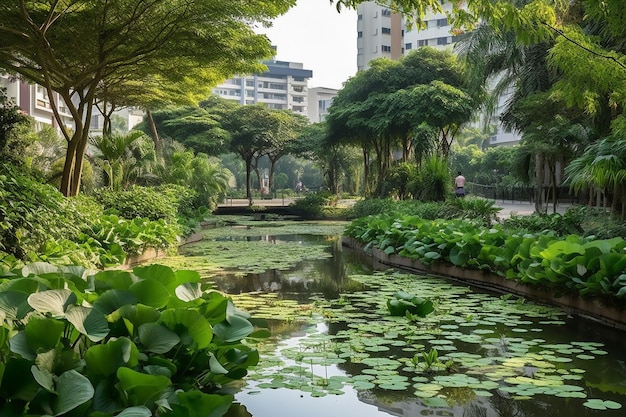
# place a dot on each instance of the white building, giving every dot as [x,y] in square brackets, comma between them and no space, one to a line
[284,86]
[34,101]
[381,33]
[320,99]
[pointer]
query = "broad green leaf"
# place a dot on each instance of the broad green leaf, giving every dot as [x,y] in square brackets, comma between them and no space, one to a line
[141,388]
[43,378]
[199,404]
[105,359]
[151,293]
[19,344]
[156,338]
[73,390]
[189,291]
[111,300]
[236,328]
[140,411]
[115,279]
[158,273]
[43,333]
[14,305]
[54,302]
[88,321]
[215,365]
[192,328]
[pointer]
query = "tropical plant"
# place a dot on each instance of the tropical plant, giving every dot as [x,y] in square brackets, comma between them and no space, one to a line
[404,304]
[123,158]
[153,341]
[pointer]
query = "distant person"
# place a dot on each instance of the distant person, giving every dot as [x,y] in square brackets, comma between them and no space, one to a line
[459,184]
[299,186]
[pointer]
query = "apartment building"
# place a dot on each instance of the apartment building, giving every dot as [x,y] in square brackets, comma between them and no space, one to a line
[284,86]
[320,99]
[382,33]
[34,101]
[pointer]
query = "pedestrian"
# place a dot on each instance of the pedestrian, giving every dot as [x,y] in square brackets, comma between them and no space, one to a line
[459,184]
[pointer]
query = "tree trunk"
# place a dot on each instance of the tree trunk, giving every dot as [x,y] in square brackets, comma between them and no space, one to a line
[158,149]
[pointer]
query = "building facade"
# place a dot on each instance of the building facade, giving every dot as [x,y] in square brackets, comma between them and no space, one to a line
[382,33]
[320,99]
[34,101]
[284,86]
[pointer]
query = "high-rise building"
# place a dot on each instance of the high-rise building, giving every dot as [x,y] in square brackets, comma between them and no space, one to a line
[284,86]
[382,33]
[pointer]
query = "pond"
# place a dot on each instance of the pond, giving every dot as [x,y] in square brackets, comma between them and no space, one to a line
[335,350]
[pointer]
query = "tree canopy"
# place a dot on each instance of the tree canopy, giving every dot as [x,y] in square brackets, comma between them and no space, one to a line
[73,46]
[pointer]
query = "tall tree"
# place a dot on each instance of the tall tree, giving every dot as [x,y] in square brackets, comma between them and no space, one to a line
[72,46]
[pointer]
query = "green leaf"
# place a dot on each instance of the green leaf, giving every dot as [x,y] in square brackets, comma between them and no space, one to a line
[151,293]
[73,390]
[192,328]
[111,300]
[43,334]
[158,273]
[236,328]
[14,305]
[156,338]
[115,279]
[200,404]
[54,302]
[140,411]
[189,291]
[89,322]
[107,358]
[141,388]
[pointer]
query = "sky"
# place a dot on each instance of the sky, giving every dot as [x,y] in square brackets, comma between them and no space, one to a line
[315,34]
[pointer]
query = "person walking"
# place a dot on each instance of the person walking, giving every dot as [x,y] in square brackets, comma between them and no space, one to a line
[459,184]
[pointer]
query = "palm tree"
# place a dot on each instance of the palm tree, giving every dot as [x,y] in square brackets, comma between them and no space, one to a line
[124,158]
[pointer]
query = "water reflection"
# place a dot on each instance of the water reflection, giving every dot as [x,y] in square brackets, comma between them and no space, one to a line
[330,279]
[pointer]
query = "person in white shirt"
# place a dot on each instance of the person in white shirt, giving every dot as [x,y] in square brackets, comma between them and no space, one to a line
[459,184]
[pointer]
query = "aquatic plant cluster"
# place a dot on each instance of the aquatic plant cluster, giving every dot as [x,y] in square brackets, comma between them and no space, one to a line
[149,342]
[571,264]
[470,347]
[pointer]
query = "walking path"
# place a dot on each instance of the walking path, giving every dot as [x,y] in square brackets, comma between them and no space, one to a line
[508,207]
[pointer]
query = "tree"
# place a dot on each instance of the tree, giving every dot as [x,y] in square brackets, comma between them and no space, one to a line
[73,47]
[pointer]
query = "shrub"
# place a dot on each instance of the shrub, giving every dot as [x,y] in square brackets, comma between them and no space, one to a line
[32,214]
[138,201]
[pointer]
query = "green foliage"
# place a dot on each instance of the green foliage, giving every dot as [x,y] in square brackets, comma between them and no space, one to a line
[10,119]
[138,202]
[476,208]
[80,343]
[32,214]
[312,205]
[403,304]
[436,180]
[570,264]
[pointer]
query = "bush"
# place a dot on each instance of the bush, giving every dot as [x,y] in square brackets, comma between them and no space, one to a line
[31,214]
[311,206]
[138,202]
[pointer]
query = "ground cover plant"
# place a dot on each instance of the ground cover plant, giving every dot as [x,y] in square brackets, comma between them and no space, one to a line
[149,342]
[570,264]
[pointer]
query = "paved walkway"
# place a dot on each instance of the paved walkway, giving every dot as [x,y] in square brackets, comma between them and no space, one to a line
[508,207]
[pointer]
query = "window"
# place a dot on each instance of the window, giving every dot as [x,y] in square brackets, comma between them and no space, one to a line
[250,93]
[385,48]
[298,99]
[234,81]
[300,79]
[386,31]
[408,46]
[249,83]
[359,34]
[360,17]
[442,22]
[386,12]
[442,41]
[422,42]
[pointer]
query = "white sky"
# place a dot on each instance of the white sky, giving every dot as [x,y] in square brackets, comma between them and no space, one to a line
[315,34]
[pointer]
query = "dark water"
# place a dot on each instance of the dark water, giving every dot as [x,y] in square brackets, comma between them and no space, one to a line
[603,374]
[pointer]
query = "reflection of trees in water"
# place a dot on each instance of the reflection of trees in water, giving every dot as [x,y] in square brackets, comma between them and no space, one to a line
[328,277]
